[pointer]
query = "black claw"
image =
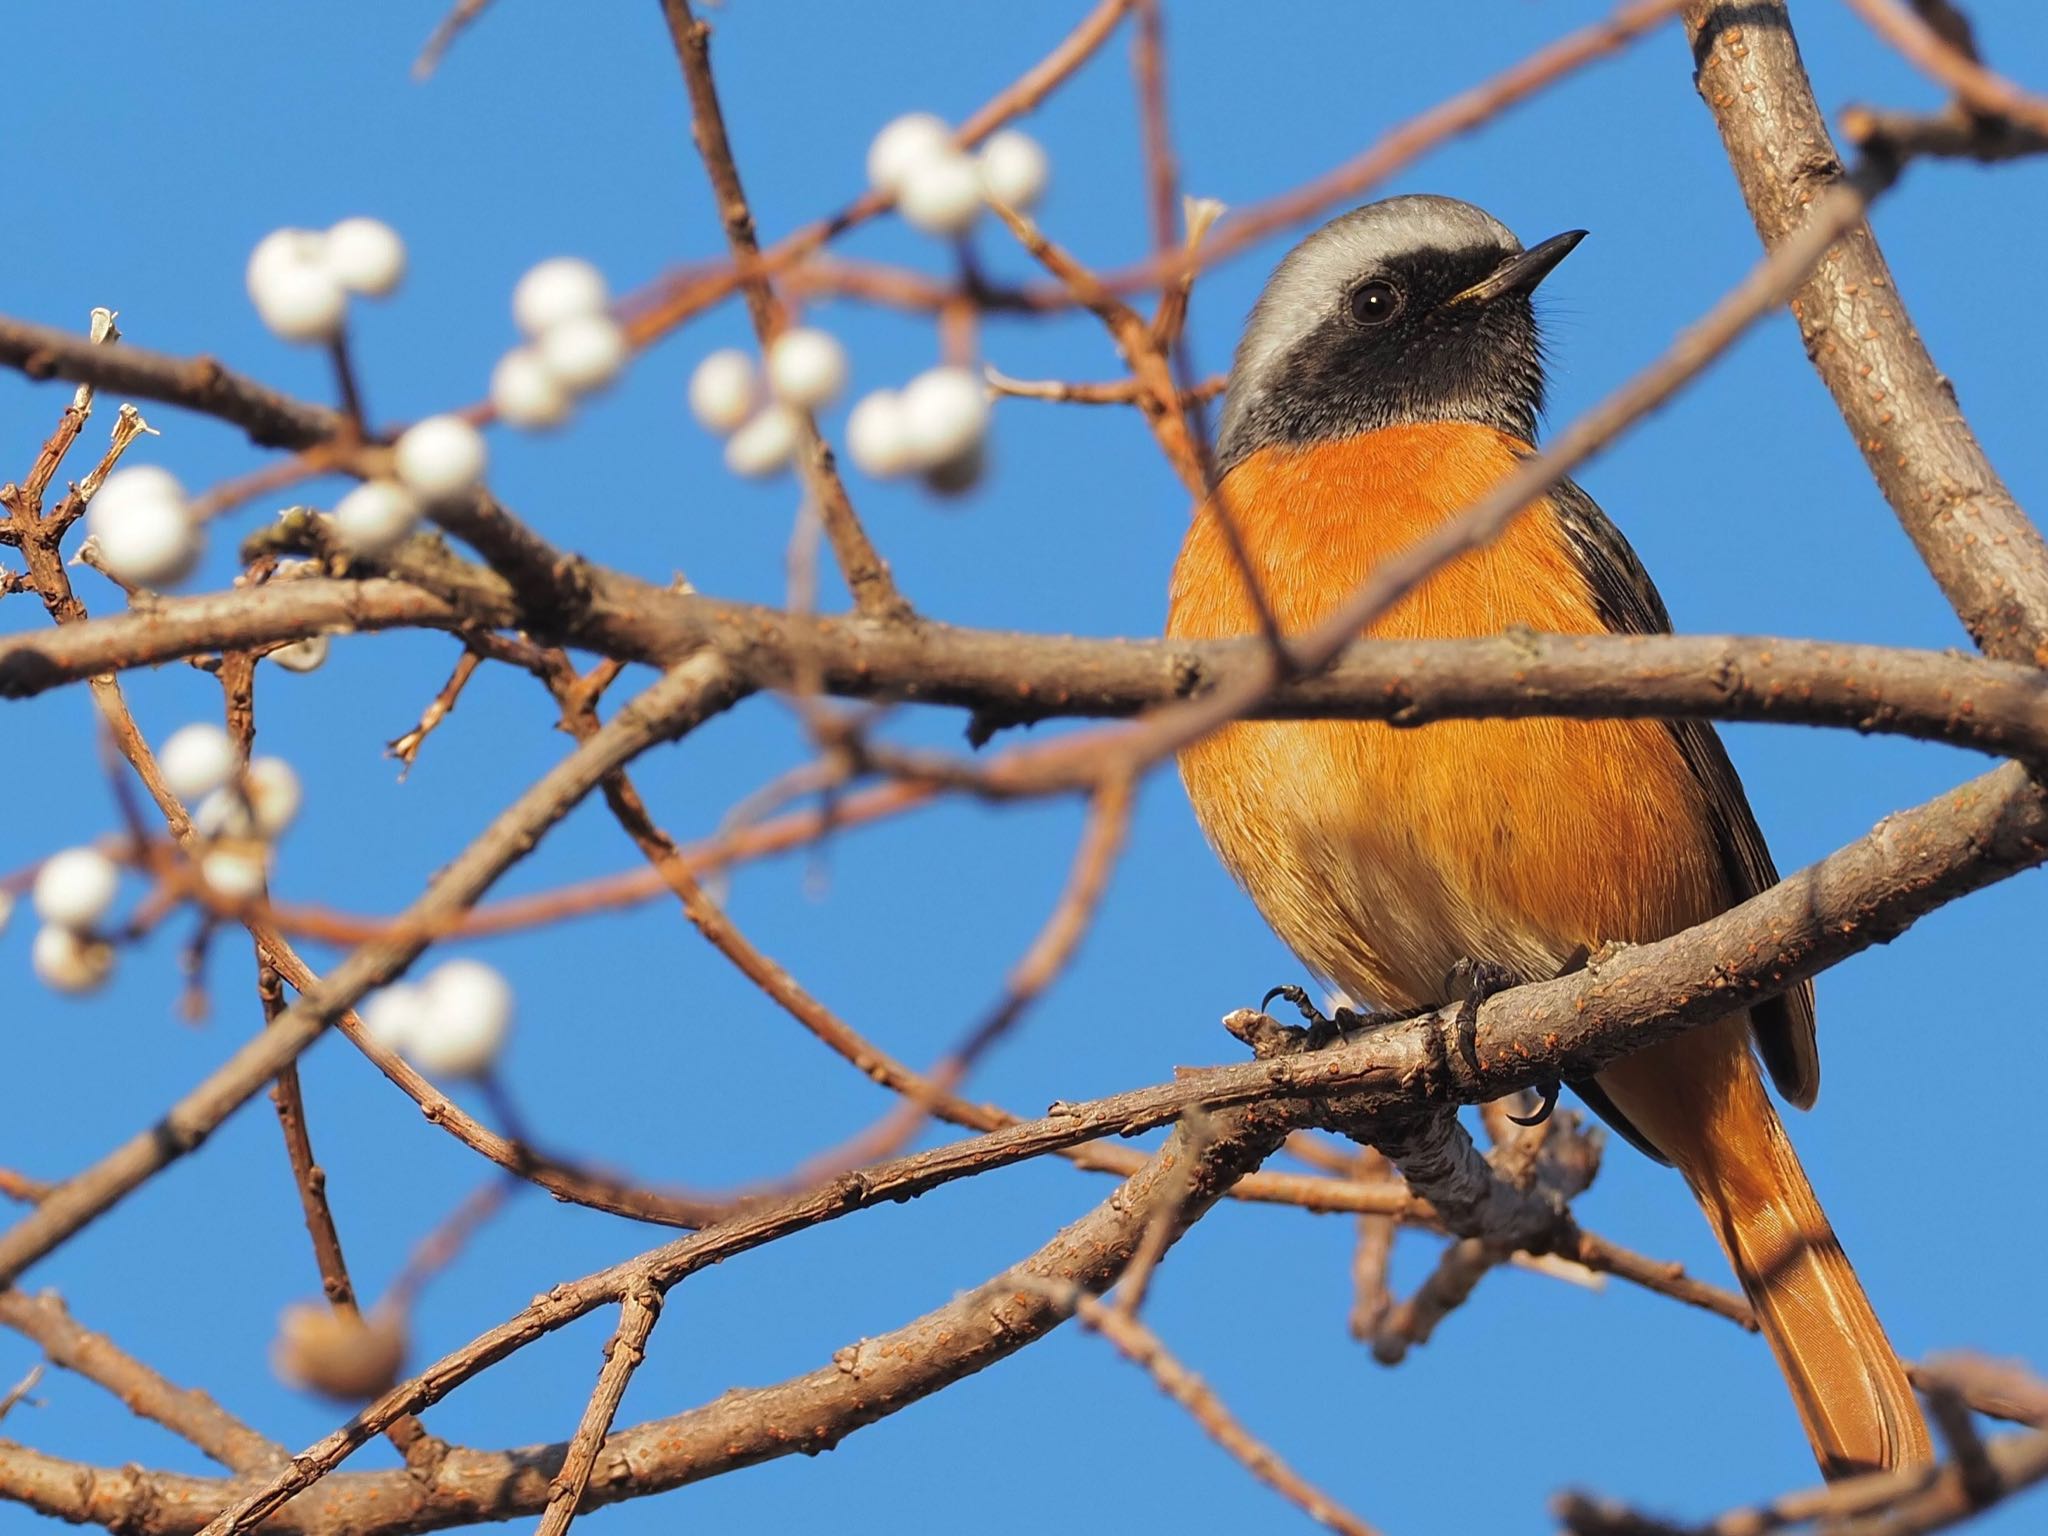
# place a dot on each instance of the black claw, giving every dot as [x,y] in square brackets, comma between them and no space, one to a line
[1323,1030]
[1474,981]
[1296,996]
[1544,1110]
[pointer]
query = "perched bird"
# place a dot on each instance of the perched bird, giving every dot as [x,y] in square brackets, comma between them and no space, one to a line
[1390,374]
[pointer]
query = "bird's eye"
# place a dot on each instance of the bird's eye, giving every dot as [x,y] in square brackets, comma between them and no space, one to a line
[1375,303]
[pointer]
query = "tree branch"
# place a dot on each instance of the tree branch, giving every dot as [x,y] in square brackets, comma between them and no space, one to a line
[689,694]
[184,1411]
[1988,558]
[271,419]
[867,575]
[1014,678]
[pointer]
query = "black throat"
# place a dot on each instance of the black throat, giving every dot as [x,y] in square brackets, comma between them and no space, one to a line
[1476,360]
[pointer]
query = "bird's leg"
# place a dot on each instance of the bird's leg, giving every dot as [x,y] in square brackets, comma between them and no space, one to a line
[1322,1030]
[1472,982]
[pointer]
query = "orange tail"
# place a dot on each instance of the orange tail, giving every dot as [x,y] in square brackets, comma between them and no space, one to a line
[1700,1099]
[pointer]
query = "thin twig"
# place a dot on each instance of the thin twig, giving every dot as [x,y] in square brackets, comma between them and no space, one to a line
[671,706]
[867,575]
[1112,392]
[1372,1297]
[1142,1347]
[20,1390]
[451,26]
[187,1413]
[1933,54]
[440,1247]
[1169,1209]
[1162,175]
[406,747]
[638,1311]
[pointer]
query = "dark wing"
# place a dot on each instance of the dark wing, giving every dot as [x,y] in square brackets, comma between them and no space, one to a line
[1629,604]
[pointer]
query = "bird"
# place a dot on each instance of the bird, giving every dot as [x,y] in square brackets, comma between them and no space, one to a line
[1391,372]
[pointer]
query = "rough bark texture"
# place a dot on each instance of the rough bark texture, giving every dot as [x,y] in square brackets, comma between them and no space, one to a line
[1898,405]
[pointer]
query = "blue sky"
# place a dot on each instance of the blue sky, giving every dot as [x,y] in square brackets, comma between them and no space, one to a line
[147,147]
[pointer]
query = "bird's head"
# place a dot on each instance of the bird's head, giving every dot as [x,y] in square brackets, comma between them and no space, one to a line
[1415,309]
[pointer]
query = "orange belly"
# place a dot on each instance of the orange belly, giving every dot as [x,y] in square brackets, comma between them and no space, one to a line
[1380,855]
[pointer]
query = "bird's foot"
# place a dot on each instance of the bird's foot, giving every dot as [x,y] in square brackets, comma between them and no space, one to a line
[1323,1030]
[1472,982]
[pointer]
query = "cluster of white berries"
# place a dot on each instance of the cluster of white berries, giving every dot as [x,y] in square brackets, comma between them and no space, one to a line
[936,426]
[933,427]
[938,187]
[573,344]
[300,279]
[73,893]
[806,369]
[240,812]
[433,459]
[450,1024]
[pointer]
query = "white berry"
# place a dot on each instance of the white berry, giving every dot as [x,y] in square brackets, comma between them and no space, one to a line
[143,527]
[196,760]
[904,143]
[139,482]
[365,256]
[465,1014]
[68,961]
[560,288]
[222,814]
[941,195]
[525,394]
[878,435]
[724,390]
[945,413]
[235,873]
[391,1015]
[1014,169]
[764,445]
[299,301]
[307,655]
[274,794]
[806,367]
[376,515]
[584,352]
[280,249]
[441,456]
[75,888]
[262,805]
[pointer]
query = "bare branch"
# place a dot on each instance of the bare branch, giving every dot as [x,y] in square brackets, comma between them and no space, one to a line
[461,16]
[1898,406]
[1008,677]
[1934,54]
[867,575]
[184,1411]
[272,420]
[683,697]
[622,1356]
[1142,1347]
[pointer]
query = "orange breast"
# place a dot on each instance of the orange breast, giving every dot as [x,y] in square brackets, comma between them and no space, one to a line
[1381,855]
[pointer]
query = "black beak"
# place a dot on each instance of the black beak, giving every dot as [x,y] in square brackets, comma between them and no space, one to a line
[1519,274]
